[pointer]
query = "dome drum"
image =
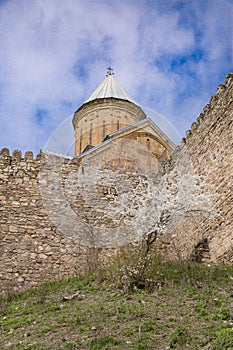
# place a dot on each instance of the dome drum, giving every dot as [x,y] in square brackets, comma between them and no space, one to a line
[96,119]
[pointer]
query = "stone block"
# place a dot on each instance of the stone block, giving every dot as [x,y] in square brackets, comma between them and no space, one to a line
[13,228]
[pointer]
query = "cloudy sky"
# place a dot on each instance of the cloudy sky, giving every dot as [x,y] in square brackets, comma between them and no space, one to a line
[169,55]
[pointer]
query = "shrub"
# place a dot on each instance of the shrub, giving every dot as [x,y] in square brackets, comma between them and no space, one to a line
[134,267]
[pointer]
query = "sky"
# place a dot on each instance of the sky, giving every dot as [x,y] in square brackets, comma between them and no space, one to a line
[169,55]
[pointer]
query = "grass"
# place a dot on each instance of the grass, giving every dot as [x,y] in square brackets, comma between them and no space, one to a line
[188,307]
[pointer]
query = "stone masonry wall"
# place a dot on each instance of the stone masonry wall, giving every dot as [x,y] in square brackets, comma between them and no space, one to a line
[209,145]
[31,248]
[55,218]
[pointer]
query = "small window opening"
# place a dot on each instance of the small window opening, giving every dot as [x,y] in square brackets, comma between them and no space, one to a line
[104,129]
[91,135]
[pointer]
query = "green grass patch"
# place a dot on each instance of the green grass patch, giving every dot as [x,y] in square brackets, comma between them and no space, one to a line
[166,305]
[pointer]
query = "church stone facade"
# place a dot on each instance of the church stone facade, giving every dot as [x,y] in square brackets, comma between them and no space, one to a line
[57,210]
[110,113]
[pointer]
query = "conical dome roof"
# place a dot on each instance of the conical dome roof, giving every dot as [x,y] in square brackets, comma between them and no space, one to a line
[110,87]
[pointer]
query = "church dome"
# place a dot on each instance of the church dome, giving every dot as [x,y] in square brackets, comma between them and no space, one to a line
[110,87]
[108,109]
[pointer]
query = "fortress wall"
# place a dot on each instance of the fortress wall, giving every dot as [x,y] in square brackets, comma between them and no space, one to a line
[32,250]
[89,201]
[53,213]
[209,145]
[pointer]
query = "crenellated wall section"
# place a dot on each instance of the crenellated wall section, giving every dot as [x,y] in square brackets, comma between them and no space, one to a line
[31,250]
[209,146]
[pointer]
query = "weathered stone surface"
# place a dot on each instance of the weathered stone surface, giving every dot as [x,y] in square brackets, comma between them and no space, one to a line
[209,145]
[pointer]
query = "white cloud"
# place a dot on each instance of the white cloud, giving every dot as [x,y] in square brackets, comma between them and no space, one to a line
[54,54]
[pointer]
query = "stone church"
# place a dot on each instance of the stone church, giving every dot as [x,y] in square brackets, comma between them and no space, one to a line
[111,116]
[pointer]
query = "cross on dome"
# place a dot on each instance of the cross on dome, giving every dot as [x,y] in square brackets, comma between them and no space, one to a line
[109,71]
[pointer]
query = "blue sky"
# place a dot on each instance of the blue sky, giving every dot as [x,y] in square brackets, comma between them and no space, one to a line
[169,55]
